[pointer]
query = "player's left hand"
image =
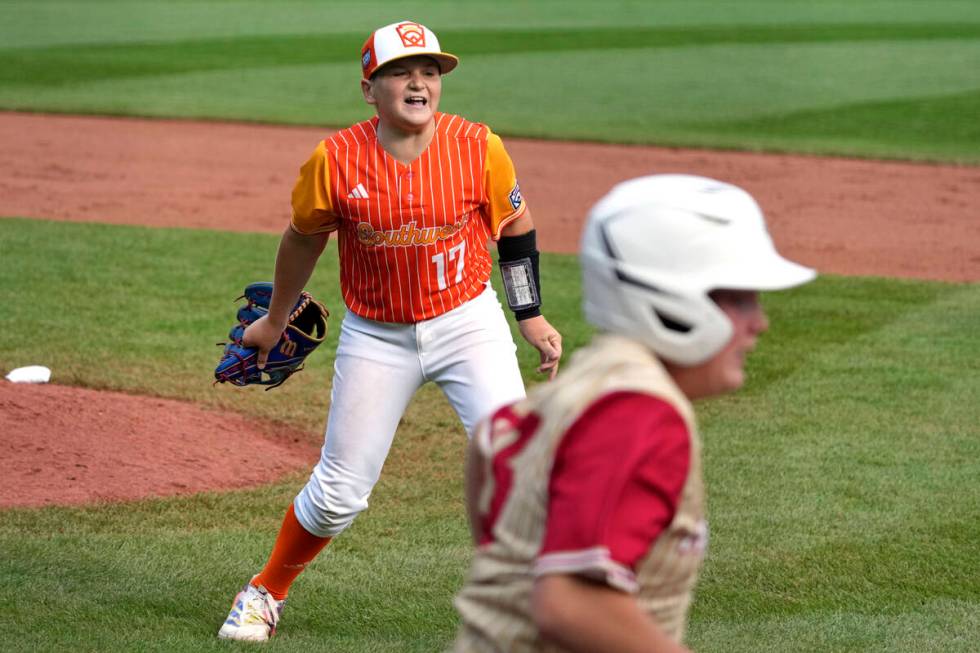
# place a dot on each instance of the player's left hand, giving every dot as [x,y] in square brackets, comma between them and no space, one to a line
[544,338]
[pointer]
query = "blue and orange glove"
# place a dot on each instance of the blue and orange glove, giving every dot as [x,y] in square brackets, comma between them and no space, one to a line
[305,330]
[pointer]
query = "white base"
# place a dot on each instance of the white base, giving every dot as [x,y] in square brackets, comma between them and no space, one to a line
[30,374]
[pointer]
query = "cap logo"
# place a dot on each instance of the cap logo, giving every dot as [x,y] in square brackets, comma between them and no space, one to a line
[412,35]
[366,59]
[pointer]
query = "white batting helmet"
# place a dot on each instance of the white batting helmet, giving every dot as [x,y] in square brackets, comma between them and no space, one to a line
[654,247]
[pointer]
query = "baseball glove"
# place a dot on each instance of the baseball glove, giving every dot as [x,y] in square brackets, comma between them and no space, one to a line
[305,330]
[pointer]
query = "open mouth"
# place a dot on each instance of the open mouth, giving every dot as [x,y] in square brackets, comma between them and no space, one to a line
[416,101]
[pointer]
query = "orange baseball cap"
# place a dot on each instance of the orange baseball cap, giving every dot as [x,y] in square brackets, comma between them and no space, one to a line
[400,40]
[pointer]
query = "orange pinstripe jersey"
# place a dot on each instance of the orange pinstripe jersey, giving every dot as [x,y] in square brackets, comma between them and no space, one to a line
[412,238]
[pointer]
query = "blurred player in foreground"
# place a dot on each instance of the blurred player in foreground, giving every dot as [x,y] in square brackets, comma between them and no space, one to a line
[586,499]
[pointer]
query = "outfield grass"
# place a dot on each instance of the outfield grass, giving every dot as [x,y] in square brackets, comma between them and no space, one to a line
[842,481]
[883,79]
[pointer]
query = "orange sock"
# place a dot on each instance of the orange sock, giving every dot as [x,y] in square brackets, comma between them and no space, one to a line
[295,548]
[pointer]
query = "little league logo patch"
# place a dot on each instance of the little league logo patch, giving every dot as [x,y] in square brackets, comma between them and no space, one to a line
[366,59]
[515,196]
[411,34]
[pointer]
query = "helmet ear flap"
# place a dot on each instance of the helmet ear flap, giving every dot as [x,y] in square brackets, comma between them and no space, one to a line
[684,328]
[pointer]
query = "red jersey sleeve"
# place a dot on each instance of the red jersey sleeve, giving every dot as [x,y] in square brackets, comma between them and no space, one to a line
[615,486]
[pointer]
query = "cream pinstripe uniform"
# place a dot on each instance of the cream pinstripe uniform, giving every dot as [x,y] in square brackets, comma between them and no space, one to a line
[574,482]
[414,274]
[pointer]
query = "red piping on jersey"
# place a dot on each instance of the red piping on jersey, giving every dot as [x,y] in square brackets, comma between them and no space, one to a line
[503,472]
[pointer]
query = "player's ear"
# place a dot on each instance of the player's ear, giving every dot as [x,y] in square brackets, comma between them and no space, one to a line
[367,88]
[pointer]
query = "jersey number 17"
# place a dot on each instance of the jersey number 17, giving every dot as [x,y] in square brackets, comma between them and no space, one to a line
[456,253]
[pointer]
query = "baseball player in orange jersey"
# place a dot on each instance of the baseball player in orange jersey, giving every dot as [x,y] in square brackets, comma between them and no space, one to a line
[586,499]
[414,195]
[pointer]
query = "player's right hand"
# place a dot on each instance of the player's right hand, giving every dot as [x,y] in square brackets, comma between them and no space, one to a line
[263,335]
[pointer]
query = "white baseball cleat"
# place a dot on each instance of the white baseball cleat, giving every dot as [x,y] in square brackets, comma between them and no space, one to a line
[253,617]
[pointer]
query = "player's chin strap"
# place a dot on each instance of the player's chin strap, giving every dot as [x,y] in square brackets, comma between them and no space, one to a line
[518,257]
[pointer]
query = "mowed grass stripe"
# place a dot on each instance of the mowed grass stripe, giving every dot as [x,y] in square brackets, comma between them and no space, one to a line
[81,63]
[844,631]
[945,120]
[833,312]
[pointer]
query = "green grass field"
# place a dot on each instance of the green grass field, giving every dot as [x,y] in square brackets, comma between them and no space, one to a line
[842,480]
[893,79]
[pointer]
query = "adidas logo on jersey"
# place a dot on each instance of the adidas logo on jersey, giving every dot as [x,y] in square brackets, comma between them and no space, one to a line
[359,193]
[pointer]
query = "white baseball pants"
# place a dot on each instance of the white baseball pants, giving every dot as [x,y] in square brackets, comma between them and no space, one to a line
[468,352]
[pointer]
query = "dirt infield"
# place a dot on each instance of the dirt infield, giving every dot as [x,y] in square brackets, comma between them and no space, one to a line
[841,216]
[71,445]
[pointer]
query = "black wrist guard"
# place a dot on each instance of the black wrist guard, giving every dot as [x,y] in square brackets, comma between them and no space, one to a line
[518,257]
